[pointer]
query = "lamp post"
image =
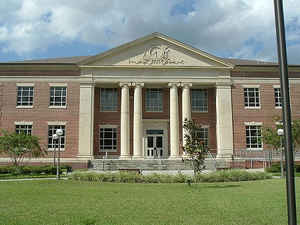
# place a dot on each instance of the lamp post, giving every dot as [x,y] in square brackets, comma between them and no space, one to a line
[59,133]
[280,133]
[55,138]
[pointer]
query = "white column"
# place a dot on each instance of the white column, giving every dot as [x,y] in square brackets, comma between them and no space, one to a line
[174,121]
[224,121]
[186,107]
[86,121]
[125,120]
[137,122]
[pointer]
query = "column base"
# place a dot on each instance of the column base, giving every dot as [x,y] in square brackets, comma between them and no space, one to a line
[125,157]
[85,157]
[138,157]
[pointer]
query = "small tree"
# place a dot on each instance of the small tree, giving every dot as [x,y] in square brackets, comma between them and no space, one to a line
[271,137]
[18,146]
[194,147]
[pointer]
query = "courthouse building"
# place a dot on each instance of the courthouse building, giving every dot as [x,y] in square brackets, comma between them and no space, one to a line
[129,103]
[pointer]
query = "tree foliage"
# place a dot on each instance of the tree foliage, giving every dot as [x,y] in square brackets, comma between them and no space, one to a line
[18,146]
[270,136]
[194,148]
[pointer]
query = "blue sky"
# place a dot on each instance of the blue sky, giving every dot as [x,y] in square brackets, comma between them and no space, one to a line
[33,29]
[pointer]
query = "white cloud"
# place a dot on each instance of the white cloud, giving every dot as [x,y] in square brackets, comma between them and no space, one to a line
[219,27]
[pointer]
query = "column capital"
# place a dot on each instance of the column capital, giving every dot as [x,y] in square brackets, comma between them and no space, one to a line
[186,85]
[125,84]
[137,84]
[223,85]
[174,84]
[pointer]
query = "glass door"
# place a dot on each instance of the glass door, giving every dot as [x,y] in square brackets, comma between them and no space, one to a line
[154,144]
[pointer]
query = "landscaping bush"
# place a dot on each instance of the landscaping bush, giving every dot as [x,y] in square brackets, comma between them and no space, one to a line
[126,177]
[275,168]
[34,170]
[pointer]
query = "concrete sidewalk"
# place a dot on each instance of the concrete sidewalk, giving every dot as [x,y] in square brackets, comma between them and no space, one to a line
[25,179]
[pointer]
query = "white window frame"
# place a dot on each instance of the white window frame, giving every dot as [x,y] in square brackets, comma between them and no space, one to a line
[149,107]
[257,124]
[66,96]
[277,98]
[24,123]
[116,138]
[198,106]
[248,97]
[60,124]
[22,86]
[205,139]
[114,104]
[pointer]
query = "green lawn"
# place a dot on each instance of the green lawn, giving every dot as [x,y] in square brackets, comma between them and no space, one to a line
[73,202]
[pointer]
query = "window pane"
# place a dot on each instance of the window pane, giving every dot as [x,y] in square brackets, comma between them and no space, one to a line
[199,100]
[154,100]
[108,99]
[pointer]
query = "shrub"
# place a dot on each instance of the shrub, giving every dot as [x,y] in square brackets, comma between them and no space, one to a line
[126,177]
[36,170]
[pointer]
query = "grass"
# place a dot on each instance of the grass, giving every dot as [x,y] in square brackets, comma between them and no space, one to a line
[72,203]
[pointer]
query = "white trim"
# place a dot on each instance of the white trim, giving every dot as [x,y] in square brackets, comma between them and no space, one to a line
[58,123]
[250,85]
[276,86]
[253,123]
[101,126]
[278,107]
[57,107]
[108,126]
[255,149]
[56,149]
[25,84]
[252,107]
[23,122]
[58,85]
[24,106]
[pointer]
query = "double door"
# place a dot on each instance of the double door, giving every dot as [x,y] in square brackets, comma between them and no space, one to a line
[154,144]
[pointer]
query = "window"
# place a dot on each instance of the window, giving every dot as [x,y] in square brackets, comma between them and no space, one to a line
[108,99]
[277,95]
[25,96]
[58,96]
[52,130]
[108,139]
[154,100]
[23,128]
[251,96]
[202,134]
[253,137]
[199,100]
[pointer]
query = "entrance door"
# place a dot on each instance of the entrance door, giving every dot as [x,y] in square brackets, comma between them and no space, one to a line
[154,144]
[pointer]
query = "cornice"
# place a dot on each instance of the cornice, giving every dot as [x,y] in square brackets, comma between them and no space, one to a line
[33,67]
[264,68]
[155,67]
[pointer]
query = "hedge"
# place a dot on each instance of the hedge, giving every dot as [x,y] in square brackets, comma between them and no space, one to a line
[45,169]
[275,168]
[129,177]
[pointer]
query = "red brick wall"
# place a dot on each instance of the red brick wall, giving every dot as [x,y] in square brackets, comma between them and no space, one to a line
[265,114]
[113,118]
[40,114]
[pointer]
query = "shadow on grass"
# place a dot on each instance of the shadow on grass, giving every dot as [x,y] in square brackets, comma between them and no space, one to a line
[216,186]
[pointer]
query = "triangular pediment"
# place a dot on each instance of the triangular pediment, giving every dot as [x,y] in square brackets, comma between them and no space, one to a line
[155,50]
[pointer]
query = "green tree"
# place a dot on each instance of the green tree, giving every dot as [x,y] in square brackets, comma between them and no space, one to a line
[194,148]
[18,146]
[270,137]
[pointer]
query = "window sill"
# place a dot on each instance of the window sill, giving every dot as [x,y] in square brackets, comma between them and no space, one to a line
[57,107]
[254,149]
[56,149]
[278,107]
[102,111]
[253,107]
[24,106]
[199,111]
[108,150]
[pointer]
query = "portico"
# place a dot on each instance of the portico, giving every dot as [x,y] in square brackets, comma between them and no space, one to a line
[150,93]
